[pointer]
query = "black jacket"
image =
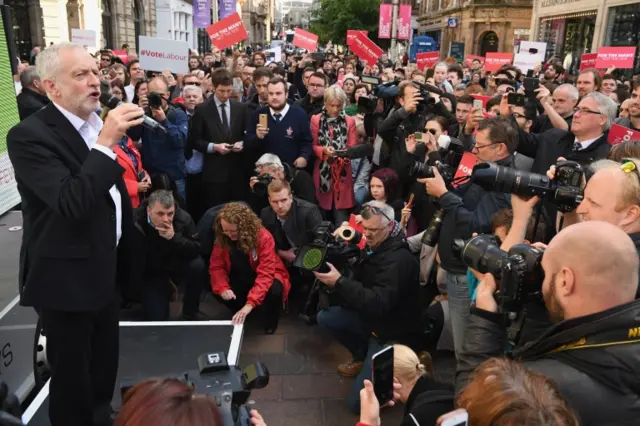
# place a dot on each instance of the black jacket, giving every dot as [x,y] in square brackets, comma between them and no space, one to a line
[302,187]
[636,240]
[311,108]
[601,383]
[29,102]
[468,209]
[69,259]
[427,401]
[548,146]
[157,256]
[303,218]
[384,291]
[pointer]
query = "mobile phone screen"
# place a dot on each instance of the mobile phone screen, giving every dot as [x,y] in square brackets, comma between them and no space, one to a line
[477,104]
[383,375]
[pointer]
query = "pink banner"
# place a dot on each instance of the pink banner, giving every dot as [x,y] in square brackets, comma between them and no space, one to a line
[619,57]
[384,25]
[404,22]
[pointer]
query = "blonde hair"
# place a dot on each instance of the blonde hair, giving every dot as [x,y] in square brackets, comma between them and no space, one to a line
[408,366]
[335,92]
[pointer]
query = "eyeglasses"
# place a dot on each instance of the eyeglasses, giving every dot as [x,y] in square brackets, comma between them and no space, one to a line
[628,166]
[316,86]
[478,147]
[377,211]
[585,111]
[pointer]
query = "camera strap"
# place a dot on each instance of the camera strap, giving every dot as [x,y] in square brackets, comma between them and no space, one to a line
[623,336]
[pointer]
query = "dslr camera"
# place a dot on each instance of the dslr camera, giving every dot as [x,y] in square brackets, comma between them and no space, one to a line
[519,272]
[324,247]
[422,170]
[260,187]
[564,190]
[155,100]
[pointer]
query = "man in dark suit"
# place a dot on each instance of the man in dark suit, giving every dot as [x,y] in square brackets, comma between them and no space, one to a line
[77,221]
[33,97]
[217,130]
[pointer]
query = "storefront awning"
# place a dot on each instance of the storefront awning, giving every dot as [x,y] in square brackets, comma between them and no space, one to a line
[569,16]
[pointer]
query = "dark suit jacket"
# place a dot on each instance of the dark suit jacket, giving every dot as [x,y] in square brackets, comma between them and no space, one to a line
[206,127]
[68,259]
[303,218]
[30,102]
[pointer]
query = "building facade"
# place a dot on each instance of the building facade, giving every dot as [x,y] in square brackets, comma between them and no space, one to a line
[255,16]
[42,22]
[175,21]
[574,27]
[482,25]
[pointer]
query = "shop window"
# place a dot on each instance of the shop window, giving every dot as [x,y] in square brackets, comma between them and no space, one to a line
[623,29]
[568,37]
[20,24]
[107,24]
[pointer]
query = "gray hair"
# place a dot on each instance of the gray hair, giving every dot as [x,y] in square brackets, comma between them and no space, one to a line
[191,88]
[385,208]
[572,91]
[460,86]
[606,106]
[48,61]
[441,64]
[162,196]
[28,76]
[269,160]
[335,92]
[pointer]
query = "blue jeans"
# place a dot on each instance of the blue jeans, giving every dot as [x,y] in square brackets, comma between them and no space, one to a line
[345,327]
[181,188]
[361,195]
[459,308]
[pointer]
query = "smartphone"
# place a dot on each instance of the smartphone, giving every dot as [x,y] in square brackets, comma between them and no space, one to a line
[264,120]
[418,136]
[382,364]
[461,419]
[477,103]
[530,85]
[516,99]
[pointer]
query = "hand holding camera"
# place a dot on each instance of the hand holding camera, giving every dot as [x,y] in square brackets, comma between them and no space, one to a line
[411,105]
[484,294]
[523,207]
[158,114]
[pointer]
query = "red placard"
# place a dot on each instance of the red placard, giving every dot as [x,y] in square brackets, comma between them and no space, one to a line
[227,32]
[360,229]
[482,98]
[619,134]
[122,54]
[465,168]
[427,59]
[495,60]
[619,57]
[469,59]
[352,33]
[305,40]
[366,49]
[588,60]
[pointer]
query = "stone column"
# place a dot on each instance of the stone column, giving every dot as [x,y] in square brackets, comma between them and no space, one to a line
[73,16]
[36,23]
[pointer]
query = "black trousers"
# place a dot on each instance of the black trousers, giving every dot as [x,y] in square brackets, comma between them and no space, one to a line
[269,310]
[196,205]
[82,349]
[222,193]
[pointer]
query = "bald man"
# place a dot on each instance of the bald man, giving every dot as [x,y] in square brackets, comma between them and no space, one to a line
[593,352]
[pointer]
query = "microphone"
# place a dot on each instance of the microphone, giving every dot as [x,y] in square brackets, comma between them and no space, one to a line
[112,102]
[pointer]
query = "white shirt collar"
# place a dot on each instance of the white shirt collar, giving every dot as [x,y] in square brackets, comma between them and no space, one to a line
[585,144]
[282,113]
[77,122]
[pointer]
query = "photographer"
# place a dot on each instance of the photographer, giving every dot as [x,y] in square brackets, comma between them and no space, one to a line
[164,153]
[590,353]
[269,167]
[469,209]
[380,304]
[166,250]
[289,219]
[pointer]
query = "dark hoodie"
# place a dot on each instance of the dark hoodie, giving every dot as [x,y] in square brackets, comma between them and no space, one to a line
[594,360]
[384,291]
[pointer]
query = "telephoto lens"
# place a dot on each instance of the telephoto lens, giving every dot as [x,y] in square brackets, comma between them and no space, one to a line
[432,233]
[481,253]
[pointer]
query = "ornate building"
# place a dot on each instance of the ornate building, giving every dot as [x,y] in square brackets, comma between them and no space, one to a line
[256,17]
[42,22]
[483,25]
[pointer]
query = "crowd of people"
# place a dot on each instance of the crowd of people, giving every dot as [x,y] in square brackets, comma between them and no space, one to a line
[255,156]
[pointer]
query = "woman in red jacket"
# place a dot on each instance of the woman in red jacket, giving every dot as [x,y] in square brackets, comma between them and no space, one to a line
[246,273]
[333,131]
[135,177]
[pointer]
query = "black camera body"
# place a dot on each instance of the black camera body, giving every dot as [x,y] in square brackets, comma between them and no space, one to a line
[426,172]
[564,190]
[260,187]
[519,272]
[155,100]
[228,385]
[324,247]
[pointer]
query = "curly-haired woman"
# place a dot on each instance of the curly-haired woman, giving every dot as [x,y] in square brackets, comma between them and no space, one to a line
[246,273]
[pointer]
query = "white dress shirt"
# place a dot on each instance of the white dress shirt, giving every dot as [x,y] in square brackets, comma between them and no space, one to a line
[585,144]
[282,113]
[89,130]
[130,90]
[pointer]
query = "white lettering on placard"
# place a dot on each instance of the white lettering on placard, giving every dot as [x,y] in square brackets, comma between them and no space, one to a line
[464,169]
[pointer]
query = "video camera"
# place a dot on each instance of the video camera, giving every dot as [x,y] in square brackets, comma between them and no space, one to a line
[229,386]
[564,190]
[324,247]
[260,187]
[519,272]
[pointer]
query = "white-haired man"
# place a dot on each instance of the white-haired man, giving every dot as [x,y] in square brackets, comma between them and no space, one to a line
[77,219]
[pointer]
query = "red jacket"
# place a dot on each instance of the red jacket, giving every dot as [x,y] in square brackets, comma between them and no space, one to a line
[130,175]
[264,261]
[344,198]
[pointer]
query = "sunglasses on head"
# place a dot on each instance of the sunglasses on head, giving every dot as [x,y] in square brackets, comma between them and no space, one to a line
[375,210]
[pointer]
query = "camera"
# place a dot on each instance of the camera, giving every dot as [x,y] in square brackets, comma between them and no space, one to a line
[426,172]
[432,233]
[323,247]
[519,272]
[228,385]
[564,190]
[260,187]
[155,100]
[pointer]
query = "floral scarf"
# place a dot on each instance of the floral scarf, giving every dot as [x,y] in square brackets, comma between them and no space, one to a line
[336,139]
